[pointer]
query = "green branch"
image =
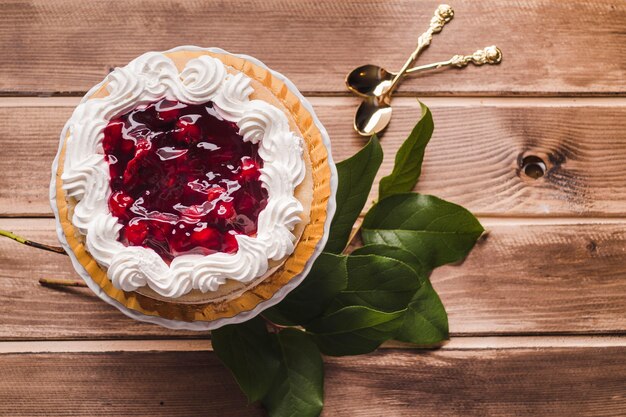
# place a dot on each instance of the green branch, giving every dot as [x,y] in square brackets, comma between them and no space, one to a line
[19,239]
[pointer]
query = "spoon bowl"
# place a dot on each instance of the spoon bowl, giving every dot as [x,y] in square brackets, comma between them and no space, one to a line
[369,80]
[372,116]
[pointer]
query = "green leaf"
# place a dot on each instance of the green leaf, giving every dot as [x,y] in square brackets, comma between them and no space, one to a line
[378,282]
[408,164]
[356,175]
[435,231]
[398,254]
[325,280]
[298,389]
[248,350]
[354,330]
[425,321]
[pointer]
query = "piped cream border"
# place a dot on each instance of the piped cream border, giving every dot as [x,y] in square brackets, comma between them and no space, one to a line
[270,291]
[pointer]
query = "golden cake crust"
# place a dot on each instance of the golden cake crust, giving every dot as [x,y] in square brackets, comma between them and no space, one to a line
[261,290]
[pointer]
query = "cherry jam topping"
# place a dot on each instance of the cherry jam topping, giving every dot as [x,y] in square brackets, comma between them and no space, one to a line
[182,179]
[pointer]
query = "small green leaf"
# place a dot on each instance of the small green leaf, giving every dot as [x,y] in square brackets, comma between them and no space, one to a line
[354,330]
[325,280]
[378,282]
[298,389]
[247,349]
[425,321]
[435,231]
[398,254]
[356,175]
[408,164]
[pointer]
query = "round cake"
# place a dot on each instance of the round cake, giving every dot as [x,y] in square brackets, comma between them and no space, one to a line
[193,188]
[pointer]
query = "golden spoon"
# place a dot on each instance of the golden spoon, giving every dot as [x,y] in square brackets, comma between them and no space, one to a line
[372,80]
[374,114]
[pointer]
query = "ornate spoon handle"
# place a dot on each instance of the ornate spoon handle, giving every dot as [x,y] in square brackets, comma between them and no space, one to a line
[489,55]
[443,15]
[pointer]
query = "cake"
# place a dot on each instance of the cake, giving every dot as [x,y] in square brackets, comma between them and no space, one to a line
[193,188]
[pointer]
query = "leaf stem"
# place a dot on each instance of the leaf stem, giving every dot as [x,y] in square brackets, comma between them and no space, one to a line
[19,239]
[275,327]
[353,238]
[59,282]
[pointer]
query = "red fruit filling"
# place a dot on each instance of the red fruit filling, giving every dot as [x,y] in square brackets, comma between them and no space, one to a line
[182,179]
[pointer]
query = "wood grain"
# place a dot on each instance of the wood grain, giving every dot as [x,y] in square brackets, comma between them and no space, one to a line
[119,384]
[524,382]
[474,158]
[551,278]
[29,310]
[66,46]
[483,382]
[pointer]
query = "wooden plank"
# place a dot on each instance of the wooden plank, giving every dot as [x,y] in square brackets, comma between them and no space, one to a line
[523,278]
[119,384]
[66,46]
[26,153]
[483,382]
[524,382]
[474,158]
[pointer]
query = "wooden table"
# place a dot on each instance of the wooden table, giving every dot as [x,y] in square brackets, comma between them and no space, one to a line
[537,311]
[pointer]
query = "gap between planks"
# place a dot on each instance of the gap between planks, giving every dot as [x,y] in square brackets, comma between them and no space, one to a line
[432,101]
[178,345]
[486,220]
